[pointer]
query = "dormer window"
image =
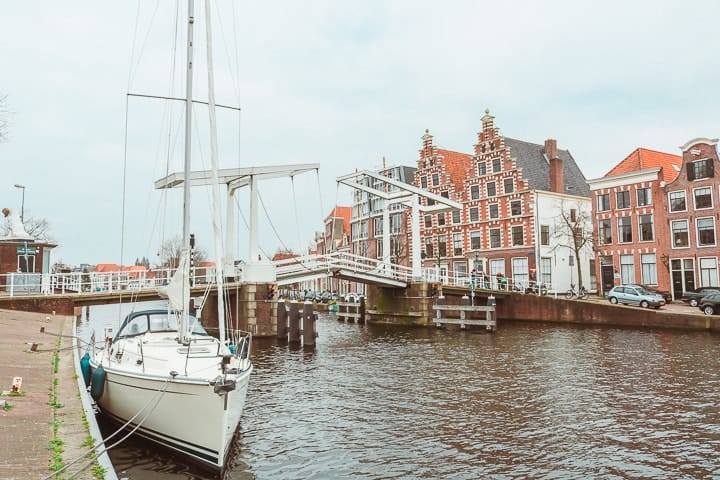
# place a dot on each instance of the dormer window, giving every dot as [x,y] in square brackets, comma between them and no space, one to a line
[700,169]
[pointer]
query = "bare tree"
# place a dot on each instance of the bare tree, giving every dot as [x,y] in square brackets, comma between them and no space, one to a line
[4,114]
[37,228]
[170,253]
[573,229]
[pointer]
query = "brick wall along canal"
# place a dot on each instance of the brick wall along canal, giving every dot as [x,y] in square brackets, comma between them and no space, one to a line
[529,401]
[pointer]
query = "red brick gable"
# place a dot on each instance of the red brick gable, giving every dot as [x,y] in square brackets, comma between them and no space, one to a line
[456,165]
[642,158]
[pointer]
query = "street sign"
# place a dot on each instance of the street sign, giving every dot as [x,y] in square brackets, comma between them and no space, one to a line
[26,250]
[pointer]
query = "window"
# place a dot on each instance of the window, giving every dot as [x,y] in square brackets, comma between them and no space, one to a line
[644,197]
[680,233]
[474,214]
[546,271]
[456,216]
[708,272]
[364,229]
[378,226]
[520,273]
[677,201]
[703,198]
[646,228]
[474,192]
[428,221]
[482,169]
[706,231]
[496,164]
[429,253]
[623,199]
[435,179]
[430,202]
[700,169]
[441,219]
[494,210]
[494,238]
[573,215]
[545,235]
[515,208]
[491,192]
[627,269]
[26,263]
[445,194]
[379,248]
[517,235]
[648,269]
[457,244]
[475,240]
[442,246]
[604,231]
[423,182]
[603,202]
[508,185]
[625,230]
[396,223]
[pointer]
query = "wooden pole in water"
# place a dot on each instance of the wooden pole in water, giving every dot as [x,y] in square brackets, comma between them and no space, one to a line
[361,310]
[308,324]
[282,321]
[465,301]
[294,317]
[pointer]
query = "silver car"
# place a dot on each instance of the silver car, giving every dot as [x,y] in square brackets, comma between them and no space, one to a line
[635,295]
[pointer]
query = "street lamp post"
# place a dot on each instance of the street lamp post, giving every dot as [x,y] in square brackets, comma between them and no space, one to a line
[22,205]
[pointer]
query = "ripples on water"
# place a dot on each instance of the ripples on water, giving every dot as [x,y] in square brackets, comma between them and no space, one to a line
[529,401]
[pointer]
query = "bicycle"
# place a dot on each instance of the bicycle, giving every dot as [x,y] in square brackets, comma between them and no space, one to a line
[580,293]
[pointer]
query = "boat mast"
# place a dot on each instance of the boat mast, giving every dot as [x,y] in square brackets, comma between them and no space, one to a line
[217,230]
[185,254]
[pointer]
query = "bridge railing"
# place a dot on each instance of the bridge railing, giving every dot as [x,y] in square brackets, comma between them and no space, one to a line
[520,284]
[68,283]
[341,260]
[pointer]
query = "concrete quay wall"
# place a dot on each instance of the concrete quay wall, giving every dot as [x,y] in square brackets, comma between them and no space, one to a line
[413,306]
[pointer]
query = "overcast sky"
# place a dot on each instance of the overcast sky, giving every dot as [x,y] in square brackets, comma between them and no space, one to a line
[338,83]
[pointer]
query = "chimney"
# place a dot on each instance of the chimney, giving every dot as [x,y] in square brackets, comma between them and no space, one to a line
[427,143]
[557,181]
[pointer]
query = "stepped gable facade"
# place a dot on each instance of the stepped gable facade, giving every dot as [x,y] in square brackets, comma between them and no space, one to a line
[498,186]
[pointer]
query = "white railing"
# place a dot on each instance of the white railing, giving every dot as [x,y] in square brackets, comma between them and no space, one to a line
[312,264]
[68,283]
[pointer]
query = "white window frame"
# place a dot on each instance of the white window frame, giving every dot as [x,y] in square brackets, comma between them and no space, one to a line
[648,268]
[627,269]
[684,194]
[672,234]
[708,276]
[712,200]
[475,234]
[697,232]
[652,227]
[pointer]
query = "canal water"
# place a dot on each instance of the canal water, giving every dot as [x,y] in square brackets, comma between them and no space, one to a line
[528,401]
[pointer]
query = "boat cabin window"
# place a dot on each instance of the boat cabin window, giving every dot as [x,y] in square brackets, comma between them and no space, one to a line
[136,326]
[157,322]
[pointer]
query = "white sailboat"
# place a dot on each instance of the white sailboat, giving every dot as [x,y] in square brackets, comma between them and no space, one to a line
[162,374]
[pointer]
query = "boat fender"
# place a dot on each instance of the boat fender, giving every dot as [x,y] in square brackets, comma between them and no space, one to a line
[85,368]
[97,386]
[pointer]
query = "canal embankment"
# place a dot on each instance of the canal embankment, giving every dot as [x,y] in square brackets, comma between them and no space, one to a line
[44,423]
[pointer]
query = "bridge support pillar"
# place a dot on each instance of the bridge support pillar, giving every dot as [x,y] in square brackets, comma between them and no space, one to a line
[294,321]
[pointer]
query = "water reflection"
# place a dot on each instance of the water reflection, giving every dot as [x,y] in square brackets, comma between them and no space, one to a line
[529,401]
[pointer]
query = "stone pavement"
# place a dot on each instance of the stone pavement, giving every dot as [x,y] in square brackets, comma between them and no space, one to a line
[27,428]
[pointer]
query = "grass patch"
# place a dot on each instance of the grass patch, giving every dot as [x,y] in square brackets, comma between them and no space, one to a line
[8,406]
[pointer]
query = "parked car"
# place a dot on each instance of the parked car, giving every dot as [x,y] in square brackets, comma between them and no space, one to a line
[635,295]
[710,305]
[692,297]
[665,294]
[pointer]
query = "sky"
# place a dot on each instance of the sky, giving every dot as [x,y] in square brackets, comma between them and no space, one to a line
[341,84]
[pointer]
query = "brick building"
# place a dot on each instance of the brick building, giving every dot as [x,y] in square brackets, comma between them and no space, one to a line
[500,229]
[629,206]
[656,219]
[692,216]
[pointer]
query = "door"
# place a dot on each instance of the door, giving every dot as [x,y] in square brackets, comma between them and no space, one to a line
[607,277]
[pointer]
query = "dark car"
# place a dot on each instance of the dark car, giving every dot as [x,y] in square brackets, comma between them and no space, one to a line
[692,297]
[710,305]
[665,294]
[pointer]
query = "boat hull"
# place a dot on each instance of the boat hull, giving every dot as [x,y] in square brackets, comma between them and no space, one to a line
[184,414]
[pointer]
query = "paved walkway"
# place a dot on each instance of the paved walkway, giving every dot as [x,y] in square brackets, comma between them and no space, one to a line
[27,427]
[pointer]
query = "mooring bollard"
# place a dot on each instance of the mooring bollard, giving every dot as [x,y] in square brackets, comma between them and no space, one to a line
[282,321]
[294,317]
[308,324]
